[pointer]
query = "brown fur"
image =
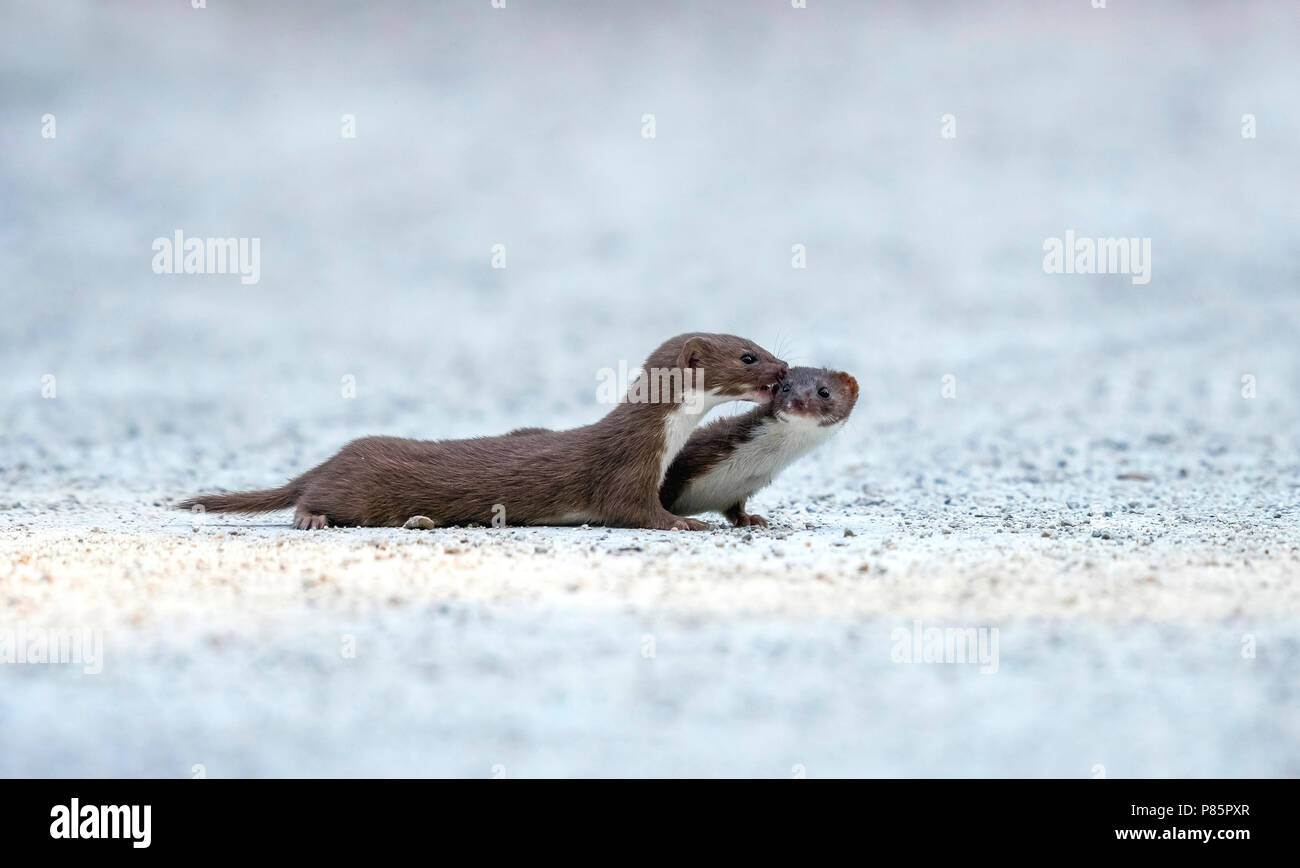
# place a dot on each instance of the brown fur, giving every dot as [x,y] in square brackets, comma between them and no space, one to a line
[708,447]
[718,441]
[605,473]
[519,432]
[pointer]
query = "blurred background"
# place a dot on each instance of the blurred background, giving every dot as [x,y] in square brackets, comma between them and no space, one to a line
[773,127]
[522,126]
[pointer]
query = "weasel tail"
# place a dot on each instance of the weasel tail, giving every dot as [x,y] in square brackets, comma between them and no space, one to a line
[248,501]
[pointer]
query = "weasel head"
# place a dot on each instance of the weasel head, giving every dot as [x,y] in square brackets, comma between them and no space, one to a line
[816,394]
[724,366]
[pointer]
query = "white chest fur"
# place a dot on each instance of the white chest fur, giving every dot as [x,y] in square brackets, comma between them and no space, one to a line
[753,465]
[680,423]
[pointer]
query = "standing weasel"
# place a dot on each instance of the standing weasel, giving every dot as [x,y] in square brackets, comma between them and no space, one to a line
[605,473]
[727,461]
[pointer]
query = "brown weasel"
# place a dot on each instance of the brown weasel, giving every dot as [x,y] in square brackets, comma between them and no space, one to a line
[607,473]
[727,461]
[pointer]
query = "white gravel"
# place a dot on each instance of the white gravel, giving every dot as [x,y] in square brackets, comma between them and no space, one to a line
[1098,490]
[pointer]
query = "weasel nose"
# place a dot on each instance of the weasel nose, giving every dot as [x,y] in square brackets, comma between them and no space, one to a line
[782,370]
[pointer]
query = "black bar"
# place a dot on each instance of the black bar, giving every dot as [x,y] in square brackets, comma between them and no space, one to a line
[216,817]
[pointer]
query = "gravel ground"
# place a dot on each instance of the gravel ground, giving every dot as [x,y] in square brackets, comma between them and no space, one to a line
[1099,490]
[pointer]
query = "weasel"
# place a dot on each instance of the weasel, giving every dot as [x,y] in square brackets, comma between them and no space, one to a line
[727,461]
[606,473]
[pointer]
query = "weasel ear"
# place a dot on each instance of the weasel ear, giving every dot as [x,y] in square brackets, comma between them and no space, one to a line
[850,383]
[689,357]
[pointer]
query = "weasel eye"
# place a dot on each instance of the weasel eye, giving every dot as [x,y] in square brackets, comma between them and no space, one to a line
[824,392]
[785,387]
[748,358]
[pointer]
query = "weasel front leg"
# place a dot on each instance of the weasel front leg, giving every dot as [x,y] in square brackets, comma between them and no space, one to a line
[681,522]
[658,519]
[739,518]
[665,520]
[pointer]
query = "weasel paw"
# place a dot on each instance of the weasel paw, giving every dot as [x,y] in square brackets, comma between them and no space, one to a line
[747,519]
[689,524]
[304,520]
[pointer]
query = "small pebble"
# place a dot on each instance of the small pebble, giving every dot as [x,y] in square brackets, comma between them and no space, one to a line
[419,522]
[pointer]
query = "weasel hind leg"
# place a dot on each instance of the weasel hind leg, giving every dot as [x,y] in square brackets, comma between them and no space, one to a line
[304,520]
